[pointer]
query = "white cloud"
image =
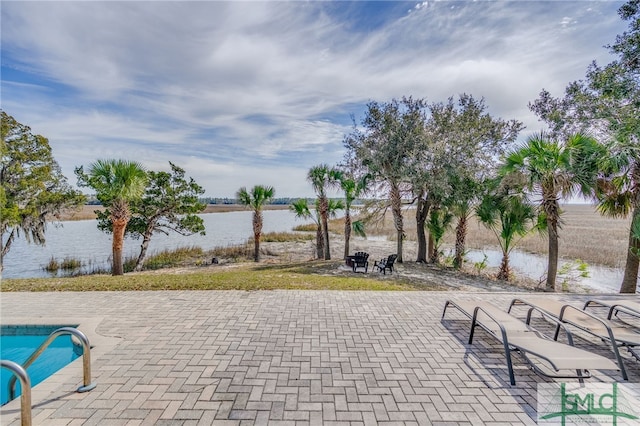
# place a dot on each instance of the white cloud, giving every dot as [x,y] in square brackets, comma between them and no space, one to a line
[242,86]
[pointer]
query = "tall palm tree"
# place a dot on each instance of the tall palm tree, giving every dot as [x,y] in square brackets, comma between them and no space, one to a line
[117,183]
[352,189]
[256,199]
[321,177]
[618,193]
[301,209]
[553,169]
[510,217]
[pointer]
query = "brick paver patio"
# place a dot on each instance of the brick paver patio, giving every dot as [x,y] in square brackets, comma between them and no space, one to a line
[281,358]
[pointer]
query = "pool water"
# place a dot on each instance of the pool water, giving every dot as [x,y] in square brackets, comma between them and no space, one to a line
[19,347]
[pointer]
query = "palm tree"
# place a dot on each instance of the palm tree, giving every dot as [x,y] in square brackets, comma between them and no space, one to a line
[440,219]
[464,197]
[553,169]
[352,189]
[510,217]
[117,183]
[258,197]
[618,193]
[321,177]
[301,209]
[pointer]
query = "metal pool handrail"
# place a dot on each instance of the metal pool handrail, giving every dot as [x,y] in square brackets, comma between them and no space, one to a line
[86,358]
[25,381]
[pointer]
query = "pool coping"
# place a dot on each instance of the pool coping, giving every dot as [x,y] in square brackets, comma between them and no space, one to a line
[50,389]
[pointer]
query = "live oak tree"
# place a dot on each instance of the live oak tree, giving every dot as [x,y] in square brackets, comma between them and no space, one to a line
[384,149]
[117,183]
[462,144]
[33,189]
[170,203]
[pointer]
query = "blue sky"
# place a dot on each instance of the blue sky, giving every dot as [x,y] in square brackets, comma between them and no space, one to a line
[244,93]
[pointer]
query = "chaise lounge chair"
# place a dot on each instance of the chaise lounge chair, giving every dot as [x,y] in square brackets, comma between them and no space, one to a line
[626,306]
[545,356]
[385,264]
[615,333]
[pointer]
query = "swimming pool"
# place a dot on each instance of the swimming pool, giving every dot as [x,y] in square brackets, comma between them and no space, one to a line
[18,342]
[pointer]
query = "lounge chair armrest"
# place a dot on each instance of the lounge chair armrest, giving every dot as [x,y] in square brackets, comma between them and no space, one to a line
[566,308]
[622,308]
[559,324]
[592,302]
[474,321]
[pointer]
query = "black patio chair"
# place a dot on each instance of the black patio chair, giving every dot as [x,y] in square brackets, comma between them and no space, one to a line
[360,260]
[385,264]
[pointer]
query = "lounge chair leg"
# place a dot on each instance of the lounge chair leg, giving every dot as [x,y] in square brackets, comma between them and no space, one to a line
[444,311]
[473,329]
[507,355]
[555,335]
[620,363]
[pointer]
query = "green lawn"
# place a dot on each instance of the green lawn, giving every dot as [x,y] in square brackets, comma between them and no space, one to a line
[304,276]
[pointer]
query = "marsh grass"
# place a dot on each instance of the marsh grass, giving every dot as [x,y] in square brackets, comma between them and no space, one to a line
[584,234]
[67,264]
[70,264]
[87,212]
[234,252]
[283,237]
[306,227]
[52,266]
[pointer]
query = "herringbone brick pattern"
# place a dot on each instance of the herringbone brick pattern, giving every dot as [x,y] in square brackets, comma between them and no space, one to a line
[283,358]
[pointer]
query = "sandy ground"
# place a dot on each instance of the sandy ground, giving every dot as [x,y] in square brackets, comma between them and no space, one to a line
[408,272]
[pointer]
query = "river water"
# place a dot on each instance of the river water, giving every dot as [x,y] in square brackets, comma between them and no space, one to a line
[600,278]
[83,241]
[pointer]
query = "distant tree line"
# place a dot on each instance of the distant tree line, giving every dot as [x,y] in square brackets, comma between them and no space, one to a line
[285,201]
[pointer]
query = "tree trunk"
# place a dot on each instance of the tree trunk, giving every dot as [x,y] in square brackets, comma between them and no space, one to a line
[434,255]
[505,270]
[324,214]
[422,211]
[432,248]
[119,226]
[4,248]
[461,234]
[396,209]
[347,233]
[630,280]
[143,249]
[257,233]
[552,266]
[319,242]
